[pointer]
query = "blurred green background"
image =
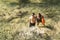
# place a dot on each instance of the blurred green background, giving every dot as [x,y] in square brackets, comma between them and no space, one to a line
[11,20]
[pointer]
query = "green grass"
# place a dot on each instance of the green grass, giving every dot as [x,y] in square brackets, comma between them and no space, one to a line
[10,23]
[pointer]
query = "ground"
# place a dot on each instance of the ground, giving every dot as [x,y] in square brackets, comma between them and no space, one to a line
[13,23]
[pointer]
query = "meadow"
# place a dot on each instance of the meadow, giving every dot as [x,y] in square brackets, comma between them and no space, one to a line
[11,20]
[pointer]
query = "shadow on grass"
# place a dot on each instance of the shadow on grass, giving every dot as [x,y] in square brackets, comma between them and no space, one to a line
[50,27]
[33,5]
[12,4]
[22,14]
[29,4]
[53,16]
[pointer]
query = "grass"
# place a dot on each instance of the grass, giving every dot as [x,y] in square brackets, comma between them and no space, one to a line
[10,23]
